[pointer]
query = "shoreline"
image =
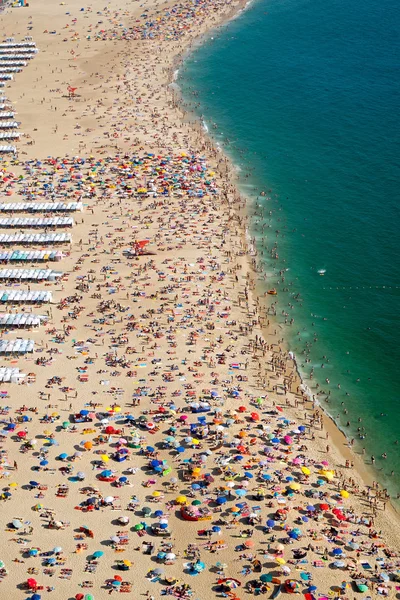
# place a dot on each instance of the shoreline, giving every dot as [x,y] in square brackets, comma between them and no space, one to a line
[185,233]
[366,472]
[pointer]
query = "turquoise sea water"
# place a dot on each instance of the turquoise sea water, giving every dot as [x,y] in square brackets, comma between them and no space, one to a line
[305,97]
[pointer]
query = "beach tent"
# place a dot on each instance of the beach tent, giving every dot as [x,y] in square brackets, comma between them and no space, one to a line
[10,135]
[25,296]
[29,274]
[42,239]
[19,320]
[8,149]
[11,375]
[30,256]
[44,207]
[9,125]
[31,222]
[18,346]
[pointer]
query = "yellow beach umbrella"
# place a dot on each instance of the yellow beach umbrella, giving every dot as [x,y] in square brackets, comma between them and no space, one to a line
[306,470]
[105,458]
[344,493]
[181,500]
[295,486]
[280,560]
[156,494]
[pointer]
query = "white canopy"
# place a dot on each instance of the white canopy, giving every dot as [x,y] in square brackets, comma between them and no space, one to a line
[30,274]
[10,135]
[19,320]
[12,63]
[30,255]
[36,222]
[18,346]
[8,149]
[25,296]
[10,375]
[40,206]
[35,238]
[9,125]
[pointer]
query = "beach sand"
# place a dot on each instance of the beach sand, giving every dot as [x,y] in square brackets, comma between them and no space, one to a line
[164,328]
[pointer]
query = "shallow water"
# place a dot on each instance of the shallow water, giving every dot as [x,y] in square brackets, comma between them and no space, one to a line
[305,98]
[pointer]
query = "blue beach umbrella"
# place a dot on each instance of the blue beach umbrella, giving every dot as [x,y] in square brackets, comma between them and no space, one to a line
[221,500]
[240,493]
[270,523]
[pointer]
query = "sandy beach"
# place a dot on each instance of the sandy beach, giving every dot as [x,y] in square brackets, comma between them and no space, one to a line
[160,442]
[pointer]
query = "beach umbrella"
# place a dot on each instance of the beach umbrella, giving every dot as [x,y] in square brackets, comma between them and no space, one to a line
[98,554]
[310,508]
[146,510]
[280,560]
[63,456]
[109,499]
[337,551]
[295,486]
[248,543]
[306,470]
[266,577]
[344,493]
[138,527]
[44,463]
[17,524]
[270,523]
[181,500]
[221,500]
[57,549]
[196,502]
[36,597]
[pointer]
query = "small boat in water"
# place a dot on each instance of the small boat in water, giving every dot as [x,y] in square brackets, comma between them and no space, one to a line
[272,292]
[321,272]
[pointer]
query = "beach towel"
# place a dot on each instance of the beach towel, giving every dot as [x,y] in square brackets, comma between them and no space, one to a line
[366,565]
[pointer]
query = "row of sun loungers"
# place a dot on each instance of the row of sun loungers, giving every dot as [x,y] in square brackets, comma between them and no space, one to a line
[41,206]
[18,346]
[37,222]
[30,256]
[29,274]
[25,297]
[35,238]
[7,115]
